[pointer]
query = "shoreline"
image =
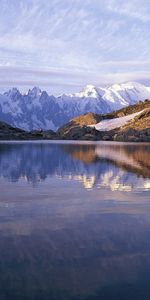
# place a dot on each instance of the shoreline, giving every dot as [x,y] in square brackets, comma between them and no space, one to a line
[86,142]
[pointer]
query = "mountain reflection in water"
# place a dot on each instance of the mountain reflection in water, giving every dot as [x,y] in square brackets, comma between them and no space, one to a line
[117,166]
[74,221]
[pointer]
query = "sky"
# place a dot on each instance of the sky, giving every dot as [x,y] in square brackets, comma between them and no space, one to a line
[62,45]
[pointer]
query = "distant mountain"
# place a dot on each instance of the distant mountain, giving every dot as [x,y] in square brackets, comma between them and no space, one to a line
[38,110]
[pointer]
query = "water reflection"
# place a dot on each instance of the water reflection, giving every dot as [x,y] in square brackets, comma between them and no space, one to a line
[116,166]
[74,221]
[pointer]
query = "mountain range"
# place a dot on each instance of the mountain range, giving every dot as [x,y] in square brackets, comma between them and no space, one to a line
[37,110]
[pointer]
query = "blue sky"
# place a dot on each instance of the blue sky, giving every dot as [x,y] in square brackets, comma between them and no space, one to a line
[61,45]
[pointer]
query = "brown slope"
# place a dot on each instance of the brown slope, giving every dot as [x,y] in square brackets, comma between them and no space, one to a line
[138,129]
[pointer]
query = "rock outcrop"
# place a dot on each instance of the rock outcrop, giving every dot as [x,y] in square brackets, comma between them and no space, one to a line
[8,132]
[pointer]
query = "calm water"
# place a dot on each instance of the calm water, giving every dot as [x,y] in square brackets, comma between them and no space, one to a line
[74,221]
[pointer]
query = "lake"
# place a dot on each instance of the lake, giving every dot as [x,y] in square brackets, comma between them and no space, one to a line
[74,221]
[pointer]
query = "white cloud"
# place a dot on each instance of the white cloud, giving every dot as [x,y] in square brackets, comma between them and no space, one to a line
[135,9]
[101,37]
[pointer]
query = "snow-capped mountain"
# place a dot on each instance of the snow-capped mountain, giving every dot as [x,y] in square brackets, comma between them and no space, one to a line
[38,110]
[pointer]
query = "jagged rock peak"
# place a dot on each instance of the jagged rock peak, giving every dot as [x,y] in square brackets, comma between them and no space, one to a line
[12,92]
[35,92]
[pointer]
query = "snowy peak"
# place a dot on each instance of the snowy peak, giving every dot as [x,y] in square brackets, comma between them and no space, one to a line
[89,91]
[125,94]
[127,86]
[131,87]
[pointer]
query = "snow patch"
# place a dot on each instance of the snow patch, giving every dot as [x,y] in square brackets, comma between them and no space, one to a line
[109,124]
